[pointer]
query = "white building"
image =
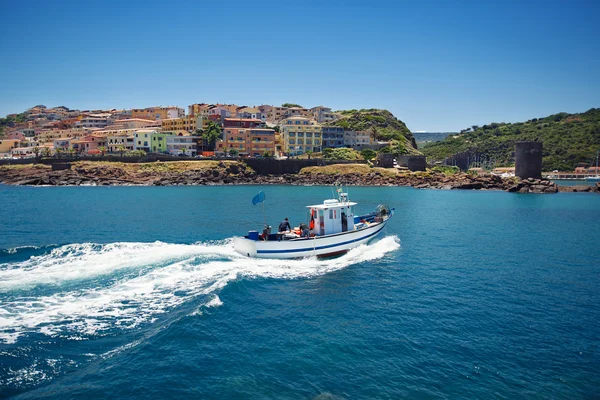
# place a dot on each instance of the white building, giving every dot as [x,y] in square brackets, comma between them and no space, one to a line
[94,121]
[22,152]
[322,114]
[350,138]
[186,145]
[250,113]
[114,142]
[357,139]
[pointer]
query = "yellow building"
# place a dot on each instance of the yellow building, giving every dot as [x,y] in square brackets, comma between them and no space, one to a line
[189,123]
[130,123]
[198,108]
[50,135]
[299,135]
[157,113]
[6,145]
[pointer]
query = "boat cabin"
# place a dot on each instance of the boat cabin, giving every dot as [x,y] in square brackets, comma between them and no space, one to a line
[333,216]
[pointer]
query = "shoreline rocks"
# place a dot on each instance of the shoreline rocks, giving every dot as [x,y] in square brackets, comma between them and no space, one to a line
[239,173]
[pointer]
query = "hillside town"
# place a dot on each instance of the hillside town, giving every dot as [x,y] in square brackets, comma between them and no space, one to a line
[206,130]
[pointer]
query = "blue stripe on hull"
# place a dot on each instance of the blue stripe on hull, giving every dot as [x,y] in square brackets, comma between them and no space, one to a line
[319,247]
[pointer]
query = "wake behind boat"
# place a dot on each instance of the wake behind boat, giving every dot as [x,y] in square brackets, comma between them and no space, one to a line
[333,230]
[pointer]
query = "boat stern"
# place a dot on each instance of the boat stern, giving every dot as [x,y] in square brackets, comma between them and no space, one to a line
[245,246]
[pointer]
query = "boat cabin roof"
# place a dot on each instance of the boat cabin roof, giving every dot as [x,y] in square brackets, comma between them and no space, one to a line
[332,203]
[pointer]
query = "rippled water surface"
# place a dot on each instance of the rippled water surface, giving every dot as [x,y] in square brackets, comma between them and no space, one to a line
[135,292]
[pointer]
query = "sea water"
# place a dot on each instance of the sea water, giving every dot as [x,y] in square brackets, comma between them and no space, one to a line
[136,292]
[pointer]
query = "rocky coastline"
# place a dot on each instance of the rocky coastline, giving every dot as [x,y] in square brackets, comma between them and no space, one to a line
[237,173]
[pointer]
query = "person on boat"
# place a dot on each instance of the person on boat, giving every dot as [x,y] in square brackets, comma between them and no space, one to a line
[284,226]
[304,231]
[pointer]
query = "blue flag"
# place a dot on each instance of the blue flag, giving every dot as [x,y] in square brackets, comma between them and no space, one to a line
[259,198]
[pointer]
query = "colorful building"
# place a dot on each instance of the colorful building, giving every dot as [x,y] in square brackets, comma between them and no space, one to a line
[90,144]
[299,135]
[273,114]
[15,135]
[159,142]
[150,140]
[6,145]
[298,112]
[157,113]
[251,142]
[49,135]
[137,123]
[242,123]
[198,109]
[189,123]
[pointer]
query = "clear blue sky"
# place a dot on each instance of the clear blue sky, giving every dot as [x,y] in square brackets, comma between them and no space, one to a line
[438,66]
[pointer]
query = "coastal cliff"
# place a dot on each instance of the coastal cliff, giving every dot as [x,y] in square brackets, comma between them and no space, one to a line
[382,125]
[233,172]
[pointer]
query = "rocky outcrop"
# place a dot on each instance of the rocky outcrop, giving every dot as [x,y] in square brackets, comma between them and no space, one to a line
[238,173]
[580,188]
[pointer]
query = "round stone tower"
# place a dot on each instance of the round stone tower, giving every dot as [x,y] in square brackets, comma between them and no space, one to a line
[528,160]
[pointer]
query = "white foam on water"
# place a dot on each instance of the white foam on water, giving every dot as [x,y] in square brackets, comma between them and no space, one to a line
[215,302]
[125,304]
[88,260]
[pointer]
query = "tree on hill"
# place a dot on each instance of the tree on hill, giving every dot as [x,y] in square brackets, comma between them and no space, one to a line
[290,105]
[368,154]
[211,134]
[341,153]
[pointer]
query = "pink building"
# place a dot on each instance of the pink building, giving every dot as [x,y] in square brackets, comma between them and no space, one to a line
[90,144]
[15,135]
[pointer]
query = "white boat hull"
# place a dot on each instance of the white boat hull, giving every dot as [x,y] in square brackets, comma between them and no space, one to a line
[318,246]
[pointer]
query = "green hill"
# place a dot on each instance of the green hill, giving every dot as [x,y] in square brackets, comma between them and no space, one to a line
[382,125]
[569,139]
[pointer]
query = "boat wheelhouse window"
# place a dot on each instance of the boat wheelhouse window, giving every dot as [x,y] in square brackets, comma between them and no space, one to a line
[330,214]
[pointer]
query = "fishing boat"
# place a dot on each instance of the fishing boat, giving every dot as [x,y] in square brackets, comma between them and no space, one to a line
[333,229]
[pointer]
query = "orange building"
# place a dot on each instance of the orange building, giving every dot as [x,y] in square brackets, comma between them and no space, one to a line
[198,109]
[189,123]
[254,142]
[157,113]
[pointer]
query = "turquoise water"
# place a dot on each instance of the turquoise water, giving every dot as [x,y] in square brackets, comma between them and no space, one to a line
[134,292]
[573,182]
